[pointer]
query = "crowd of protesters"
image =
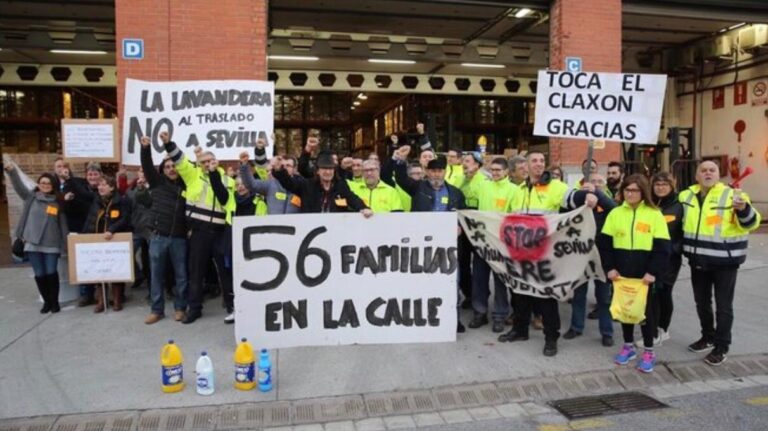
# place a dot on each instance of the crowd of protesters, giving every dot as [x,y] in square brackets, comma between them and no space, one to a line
[181,210]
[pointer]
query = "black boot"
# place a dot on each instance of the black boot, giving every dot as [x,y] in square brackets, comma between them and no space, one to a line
[53,290]
[42,287]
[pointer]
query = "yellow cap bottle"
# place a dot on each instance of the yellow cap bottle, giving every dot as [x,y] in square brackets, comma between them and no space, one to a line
[171,361]
[245,366]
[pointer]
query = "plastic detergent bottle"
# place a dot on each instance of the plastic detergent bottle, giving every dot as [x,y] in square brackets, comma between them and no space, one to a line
[171,361]
[244,366]
[204,371]
[265,371]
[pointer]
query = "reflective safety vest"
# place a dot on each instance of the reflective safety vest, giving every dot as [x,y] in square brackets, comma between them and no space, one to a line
[405,198]
[381,199]
[261,205]
[454,175]
[633,232]
[713,233]
[539,199]
[202,204]
[471,189]
[496,196]
[634,229]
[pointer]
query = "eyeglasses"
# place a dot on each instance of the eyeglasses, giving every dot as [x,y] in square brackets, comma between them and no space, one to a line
[632,190]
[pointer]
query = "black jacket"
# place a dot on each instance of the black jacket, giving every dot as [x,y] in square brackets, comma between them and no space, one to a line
[672,209]
[167,216]
[76,210]
[113,215]
[422,193]
[314,199]
[576,198]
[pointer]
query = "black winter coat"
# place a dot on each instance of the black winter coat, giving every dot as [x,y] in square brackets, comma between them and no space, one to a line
[113,215]
[672,209]
[76,210]
[314,199]
[167,212]
[422,193]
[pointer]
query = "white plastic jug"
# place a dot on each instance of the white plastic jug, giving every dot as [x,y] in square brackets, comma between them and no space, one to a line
[204,371]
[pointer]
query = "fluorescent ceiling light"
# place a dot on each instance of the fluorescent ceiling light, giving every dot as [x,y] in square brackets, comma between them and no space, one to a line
[294,57]
[356,103]
[523,12]
[735,26]
[362,96]
[387,61]
[77,51]
[485,65]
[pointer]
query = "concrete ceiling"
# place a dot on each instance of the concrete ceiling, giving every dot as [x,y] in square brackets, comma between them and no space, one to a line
[438,34]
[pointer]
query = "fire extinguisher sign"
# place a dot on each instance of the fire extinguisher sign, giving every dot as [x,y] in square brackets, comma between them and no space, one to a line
[740,93]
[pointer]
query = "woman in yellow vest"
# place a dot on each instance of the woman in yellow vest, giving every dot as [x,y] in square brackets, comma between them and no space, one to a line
[634,244]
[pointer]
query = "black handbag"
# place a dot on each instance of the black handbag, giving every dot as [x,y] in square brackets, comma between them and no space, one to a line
[18,248]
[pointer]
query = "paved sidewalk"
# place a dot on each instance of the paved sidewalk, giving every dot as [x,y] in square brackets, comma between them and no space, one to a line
[78,362]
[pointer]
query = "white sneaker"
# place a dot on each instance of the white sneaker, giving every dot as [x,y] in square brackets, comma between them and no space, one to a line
[230,318]
[663,336]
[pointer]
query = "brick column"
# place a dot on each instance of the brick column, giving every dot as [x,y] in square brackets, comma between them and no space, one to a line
[590,29]
[192,39]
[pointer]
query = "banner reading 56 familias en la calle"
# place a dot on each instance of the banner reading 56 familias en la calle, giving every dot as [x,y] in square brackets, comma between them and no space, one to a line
[543,256]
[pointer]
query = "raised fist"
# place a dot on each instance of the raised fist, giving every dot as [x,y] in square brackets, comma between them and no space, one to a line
[420,128]
[404,151]
[165,137]
[312,144]
[244,157]
[198,150]
[261,143]
[145,141]
[347,162]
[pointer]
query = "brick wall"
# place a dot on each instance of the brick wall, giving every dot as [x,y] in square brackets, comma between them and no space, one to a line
[192,40]
[32,165]
[590,29]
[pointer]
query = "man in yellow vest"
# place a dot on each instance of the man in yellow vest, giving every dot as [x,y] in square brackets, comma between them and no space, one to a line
[494,196]
[717,221]
[210,204]
[454,173]
[538,195]
[376,194]
[474,181]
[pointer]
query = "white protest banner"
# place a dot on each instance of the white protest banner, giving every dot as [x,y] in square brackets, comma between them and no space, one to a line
[90,140]
[93,259]
[225,117]
[542,256]
[612,106]
[331,279]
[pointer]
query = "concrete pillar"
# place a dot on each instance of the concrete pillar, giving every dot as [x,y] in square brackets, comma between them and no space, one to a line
[192,40]
[590,29]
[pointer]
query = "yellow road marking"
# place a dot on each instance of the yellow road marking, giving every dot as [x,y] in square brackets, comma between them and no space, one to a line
[759,401]
[578,425]
[587,424]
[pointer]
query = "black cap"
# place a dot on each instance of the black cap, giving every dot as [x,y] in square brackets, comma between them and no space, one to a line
[438,163]
[325,160]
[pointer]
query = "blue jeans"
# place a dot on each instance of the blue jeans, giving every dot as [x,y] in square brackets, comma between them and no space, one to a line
[161,249]
[579,307]
[43,263]
[481,273]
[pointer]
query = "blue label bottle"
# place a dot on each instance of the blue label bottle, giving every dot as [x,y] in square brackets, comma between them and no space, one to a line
[265,371]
